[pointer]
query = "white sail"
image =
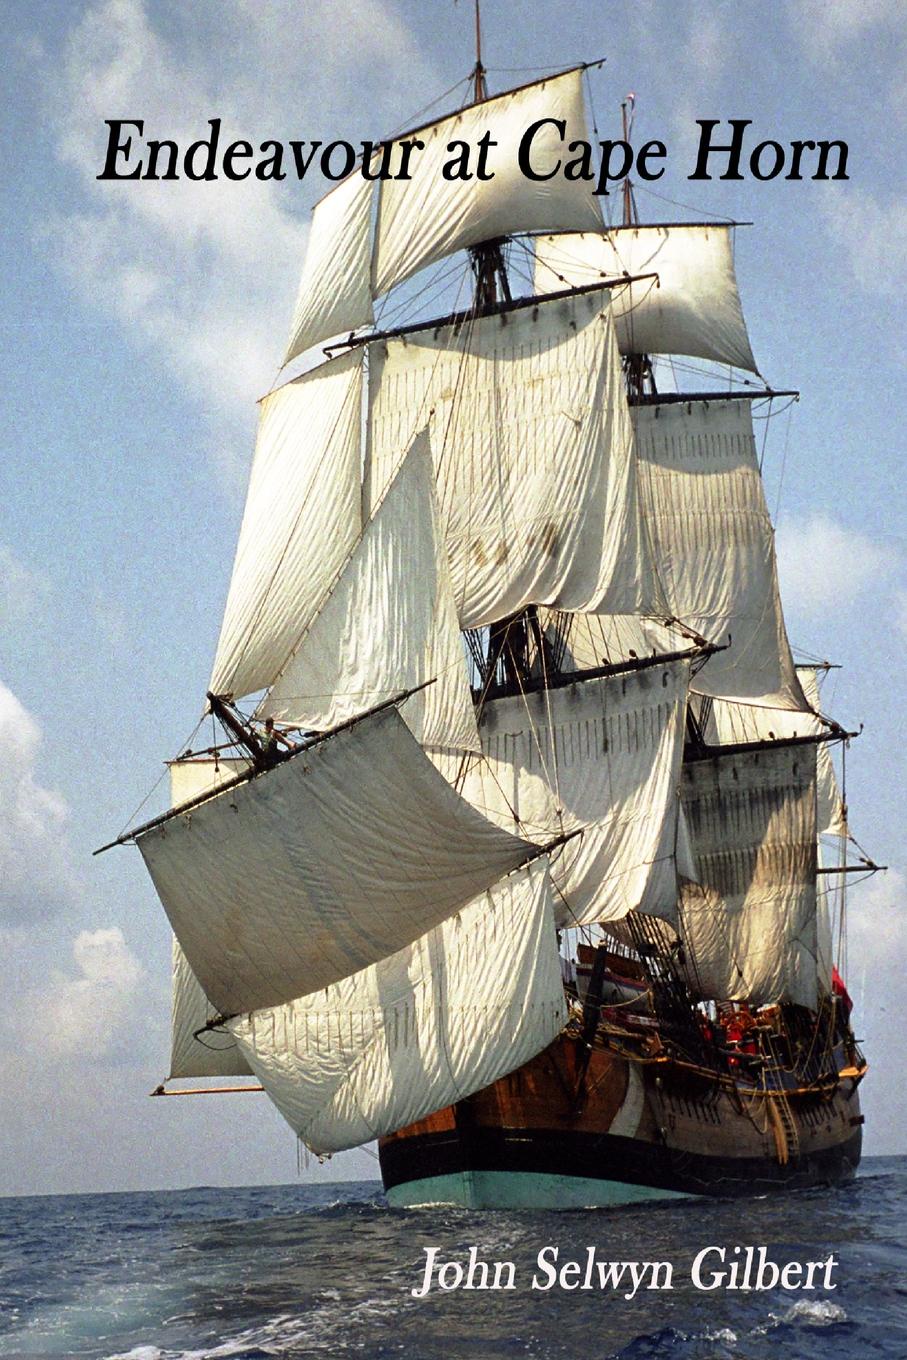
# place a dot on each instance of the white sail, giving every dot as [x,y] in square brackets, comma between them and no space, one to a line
[334,292]
[462,1006]
[214,1054]
[302,520]
[831,813]
[533,452]
[728,723]
[602,755]
[328,862]
[388,625]
[429,216]
[825,954]
[585,641]
[204,774]
[692,307]
[750,919]
[712,540]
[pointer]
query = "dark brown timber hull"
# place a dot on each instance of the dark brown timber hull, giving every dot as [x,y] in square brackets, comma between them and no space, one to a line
[544,1138]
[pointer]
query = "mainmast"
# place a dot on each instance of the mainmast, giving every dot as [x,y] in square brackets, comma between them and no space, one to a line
[514,641]
[637,367]
[487,257]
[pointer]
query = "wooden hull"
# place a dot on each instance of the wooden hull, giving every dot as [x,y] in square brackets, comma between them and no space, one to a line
[638,1130]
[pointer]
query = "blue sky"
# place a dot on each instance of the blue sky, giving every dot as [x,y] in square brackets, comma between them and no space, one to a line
[143,320]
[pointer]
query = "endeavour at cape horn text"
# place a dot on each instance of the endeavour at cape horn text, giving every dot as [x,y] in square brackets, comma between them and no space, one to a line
[539,155]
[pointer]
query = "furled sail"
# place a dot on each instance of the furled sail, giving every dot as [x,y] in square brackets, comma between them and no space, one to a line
[214,1054]
[427,215]
[729,723]
[328,862]
[704,510]
[532,444]
[388,625]
[301,522]
[602,755]
[466,1003]
[750,920]
[692,307]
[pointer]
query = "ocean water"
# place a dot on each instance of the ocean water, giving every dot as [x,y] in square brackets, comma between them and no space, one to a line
[327,1271]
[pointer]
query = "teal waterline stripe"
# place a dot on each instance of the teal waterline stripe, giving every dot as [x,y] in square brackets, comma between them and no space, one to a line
[521,1190]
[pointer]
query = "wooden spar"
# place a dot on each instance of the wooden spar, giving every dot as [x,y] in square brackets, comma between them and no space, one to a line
[547,848]
[204,1090]
[628,183]
[481,89]
[640,663]
[636,226]
[244,735]
[870,867]
[674,398]
[456,319]
[765,744]
[246,775]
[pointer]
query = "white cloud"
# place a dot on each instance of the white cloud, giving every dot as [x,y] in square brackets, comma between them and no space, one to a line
[823,563]
[204,274]
[828,28]
[876,250]
[869,36]
[35,869]
[93,1012]
[705,54]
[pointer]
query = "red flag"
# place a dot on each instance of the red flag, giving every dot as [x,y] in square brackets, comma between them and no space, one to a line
[838,988]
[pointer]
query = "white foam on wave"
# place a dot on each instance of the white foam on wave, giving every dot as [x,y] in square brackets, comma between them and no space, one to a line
[285,1333]
[139,1353]
[805,1313]
[814,1313]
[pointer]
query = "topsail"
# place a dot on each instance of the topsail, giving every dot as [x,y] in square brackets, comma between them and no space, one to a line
[388,624]
[705,517]
[427,216]
[533,451]
[692,305]
[602,755]
[213,1054]
[301,522]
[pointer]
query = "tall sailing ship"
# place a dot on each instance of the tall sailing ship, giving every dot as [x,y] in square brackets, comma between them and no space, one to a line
[526,855]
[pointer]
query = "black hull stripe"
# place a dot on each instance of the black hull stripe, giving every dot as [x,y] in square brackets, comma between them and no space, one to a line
[608,1157]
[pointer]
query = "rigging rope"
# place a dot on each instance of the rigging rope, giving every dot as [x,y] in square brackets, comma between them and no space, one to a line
[185,745]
